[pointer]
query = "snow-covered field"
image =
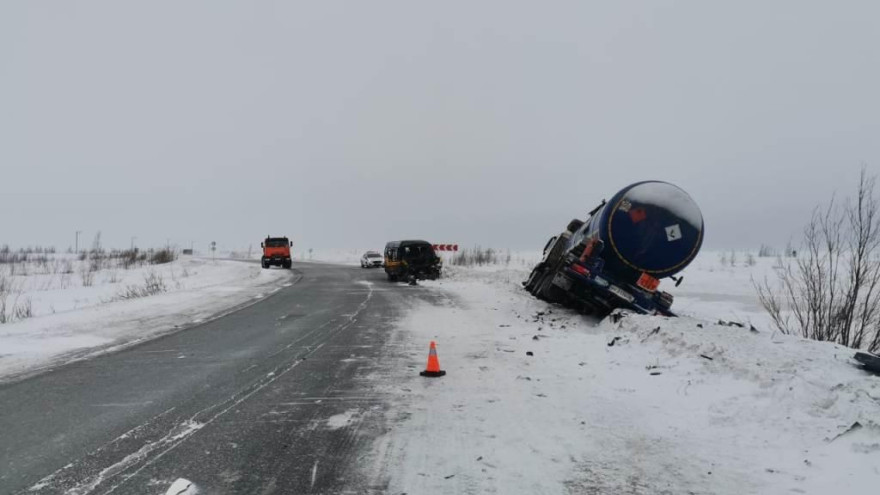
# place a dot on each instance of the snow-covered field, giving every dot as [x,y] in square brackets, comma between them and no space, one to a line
[69,320]
[538,399]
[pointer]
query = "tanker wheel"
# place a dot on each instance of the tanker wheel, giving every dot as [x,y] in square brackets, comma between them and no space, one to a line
[549,292]
[391,278]
[534,277]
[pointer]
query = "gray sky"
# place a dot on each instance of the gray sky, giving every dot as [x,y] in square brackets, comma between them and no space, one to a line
[493,123]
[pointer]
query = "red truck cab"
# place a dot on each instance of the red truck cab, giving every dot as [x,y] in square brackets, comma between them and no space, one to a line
[276,251]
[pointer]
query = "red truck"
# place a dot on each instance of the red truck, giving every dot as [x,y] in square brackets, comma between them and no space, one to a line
[276,251]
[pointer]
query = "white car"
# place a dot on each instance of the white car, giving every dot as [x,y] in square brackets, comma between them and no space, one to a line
[372,259]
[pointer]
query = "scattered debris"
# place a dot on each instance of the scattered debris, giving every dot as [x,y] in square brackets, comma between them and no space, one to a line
[655,373]
[854,427]
[530,353]
[653,332]
[730,324]
[449,477]
[753,329]
[870,362]
[706,357]
[535,337]
[699,325]
[613,341]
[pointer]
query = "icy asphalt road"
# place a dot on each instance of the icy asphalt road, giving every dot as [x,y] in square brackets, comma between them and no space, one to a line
[259,401]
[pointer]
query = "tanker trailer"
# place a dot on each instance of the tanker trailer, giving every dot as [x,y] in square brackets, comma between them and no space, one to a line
[648,231]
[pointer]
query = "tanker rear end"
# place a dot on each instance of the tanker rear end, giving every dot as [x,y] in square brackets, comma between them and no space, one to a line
[648,231]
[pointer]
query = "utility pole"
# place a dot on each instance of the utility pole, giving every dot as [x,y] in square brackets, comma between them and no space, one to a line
[132,242]
[76,250]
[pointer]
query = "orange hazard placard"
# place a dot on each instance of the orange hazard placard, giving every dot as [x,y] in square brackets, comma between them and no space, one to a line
[648,282]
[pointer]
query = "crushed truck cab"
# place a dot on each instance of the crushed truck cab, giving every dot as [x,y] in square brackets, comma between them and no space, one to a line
[276,251]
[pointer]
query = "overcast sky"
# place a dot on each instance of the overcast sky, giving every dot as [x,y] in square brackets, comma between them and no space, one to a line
[493,122]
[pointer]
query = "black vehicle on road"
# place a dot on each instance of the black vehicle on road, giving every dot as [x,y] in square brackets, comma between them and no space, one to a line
[411,259]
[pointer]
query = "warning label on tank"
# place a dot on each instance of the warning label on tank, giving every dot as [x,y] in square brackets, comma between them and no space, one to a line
[673,233]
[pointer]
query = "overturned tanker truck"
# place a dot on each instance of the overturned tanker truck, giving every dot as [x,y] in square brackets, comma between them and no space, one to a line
[616,258]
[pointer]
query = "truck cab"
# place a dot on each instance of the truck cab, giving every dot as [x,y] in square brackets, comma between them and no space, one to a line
[276,251]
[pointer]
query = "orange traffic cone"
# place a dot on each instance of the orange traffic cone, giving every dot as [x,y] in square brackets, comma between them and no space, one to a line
[433,368]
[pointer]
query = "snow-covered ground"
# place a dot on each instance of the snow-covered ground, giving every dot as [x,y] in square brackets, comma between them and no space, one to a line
[538,399]
[70,320]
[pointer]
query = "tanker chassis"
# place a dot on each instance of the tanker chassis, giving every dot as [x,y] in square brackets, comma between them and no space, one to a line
[616,258]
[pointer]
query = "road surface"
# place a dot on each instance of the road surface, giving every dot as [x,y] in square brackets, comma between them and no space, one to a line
[275,398]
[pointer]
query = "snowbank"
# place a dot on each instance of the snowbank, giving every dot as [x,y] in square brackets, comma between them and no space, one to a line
[70,321]
[640,405]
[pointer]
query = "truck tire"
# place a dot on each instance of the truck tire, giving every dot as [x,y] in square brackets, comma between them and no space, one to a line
[287,264]
[548,292]
[555,255]
[574,224]
[534,277]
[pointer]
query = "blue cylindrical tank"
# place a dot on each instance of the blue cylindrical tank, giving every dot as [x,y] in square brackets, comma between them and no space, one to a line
[648,227]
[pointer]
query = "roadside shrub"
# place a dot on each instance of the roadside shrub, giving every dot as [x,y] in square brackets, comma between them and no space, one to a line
[87,275]
[18,310]
[153,284]
[750,259]
[766,251]
[831,290]
[5,283]
[162,256]
[476,256]
[22,310]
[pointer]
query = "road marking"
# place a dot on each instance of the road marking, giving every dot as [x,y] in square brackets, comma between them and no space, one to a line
[123,404]
[314,473]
